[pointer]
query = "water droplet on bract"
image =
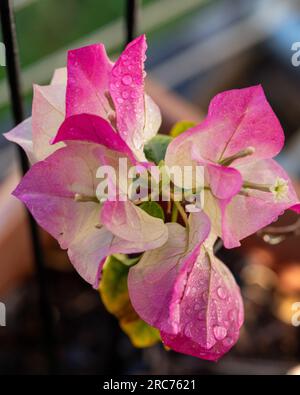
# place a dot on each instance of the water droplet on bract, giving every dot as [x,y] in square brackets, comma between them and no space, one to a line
[201,315]
[221,293]
[205,296]
[134,94]
[119,100]
[116,72]
[127,79]
[220,332]
[228,341]
[112,86]
[226,323]
[187,329]
[125,95]
[188,311]
[209,344]
[137,143]
[232,315]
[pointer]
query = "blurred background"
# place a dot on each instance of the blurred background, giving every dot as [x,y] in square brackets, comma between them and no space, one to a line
[196,48]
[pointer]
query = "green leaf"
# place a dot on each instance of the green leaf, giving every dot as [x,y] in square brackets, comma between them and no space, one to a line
[114,294]
[155,149]
[126,260]
[153,209]
[181,127]
[113,286]
[141,334]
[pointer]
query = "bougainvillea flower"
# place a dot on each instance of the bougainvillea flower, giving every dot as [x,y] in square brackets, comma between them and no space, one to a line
[77,124]
[96,112]
[183,290]
[93,85]
[245,188]
[116,93]
[60,193]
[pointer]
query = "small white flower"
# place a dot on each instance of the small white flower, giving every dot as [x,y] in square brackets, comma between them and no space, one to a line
[279,189]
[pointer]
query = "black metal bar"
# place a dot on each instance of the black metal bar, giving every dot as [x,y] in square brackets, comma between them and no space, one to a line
[13,74]
[131,19]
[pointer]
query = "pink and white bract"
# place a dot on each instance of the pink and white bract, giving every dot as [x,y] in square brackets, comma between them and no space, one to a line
[55,188]
[96,112]
[187,293]
[236,143]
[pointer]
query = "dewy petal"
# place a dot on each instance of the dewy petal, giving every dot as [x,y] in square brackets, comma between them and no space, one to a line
[258,208]
[91,128]
[34,134]
[236,120]
[224,182]
[134,225]
[187,293]
[90,247]
[48,190]
[59,76]
[152,119]
[88,79]
[48,112]
[127,92]
[209,311]
[22,135]
[152,281]
[252,123]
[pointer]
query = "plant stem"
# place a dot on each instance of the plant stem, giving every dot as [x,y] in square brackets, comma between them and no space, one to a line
[181,212]
[174,215]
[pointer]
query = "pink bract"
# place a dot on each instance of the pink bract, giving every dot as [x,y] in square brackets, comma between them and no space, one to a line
[92,85]
[49,191]
[187,293]
[116,93]
[235,144]
[48,112]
